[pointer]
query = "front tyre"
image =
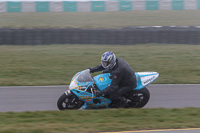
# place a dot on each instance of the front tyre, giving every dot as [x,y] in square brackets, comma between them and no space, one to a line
[138,98]
[69,101]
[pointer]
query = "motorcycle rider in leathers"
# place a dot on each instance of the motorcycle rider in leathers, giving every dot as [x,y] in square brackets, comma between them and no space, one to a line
[122,75]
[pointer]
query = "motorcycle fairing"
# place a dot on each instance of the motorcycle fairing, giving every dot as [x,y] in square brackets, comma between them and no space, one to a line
[89,99]
[102,81]
[143,79]
[102,102]
[79,81]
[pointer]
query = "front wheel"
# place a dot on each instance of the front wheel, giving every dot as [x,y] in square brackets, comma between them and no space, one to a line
[69,101]
[138,98]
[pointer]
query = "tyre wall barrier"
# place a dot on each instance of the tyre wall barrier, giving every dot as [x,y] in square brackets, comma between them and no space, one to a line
[129,35]
[95,5]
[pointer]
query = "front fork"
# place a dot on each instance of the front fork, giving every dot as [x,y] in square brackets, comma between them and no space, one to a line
[67,92]
[73,97]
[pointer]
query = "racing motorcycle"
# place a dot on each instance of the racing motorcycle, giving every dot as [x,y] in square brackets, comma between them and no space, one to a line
[83,87]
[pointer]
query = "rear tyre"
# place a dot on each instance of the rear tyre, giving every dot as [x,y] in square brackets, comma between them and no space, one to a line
[138,98]
[69,101]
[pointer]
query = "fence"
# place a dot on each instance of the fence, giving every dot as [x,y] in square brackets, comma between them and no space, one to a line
[129,35]
[97,6]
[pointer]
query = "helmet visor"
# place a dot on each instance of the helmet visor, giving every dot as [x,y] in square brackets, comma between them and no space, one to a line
[106,63]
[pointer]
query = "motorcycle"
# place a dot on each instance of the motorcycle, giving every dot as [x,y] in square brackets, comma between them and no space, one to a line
[83,87]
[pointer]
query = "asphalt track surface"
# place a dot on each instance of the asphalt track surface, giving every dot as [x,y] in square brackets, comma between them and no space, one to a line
[40,98]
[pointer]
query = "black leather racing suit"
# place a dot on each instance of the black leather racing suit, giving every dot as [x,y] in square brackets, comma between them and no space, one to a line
[123,79]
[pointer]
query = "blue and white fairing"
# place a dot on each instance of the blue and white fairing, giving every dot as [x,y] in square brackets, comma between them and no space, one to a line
[102,81]
[80,84]
[143,79]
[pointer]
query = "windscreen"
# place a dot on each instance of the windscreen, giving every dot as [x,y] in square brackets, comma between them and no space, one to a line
[85,77]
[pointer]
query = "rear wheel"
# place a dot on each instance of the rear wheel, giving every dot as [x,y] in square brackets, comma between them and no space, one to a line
[138,98]
[69,101]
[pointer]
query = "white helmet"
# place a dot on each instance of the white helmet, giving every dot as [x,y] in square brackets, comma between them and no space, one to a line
[108,60]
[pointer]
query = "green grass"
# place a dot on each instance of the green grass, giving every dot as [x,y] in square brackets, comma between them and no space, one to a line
[98,120]
[56,64]
[101,19]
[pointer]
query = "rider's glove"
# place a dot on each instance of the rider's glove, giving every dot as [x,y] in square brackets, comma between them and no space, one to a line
[90,69]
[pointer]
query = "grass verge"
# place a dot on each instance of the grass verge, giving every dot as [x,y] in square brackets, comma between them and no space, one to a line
[98,120]
[100,19]
[56,64]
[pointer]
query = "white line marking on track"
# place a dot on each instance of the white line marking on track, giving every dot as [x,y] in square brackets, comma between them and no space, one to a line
[156,130]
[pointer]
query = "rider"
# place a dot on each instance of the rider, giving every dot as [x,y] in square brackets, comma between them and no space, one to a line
[123,77]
